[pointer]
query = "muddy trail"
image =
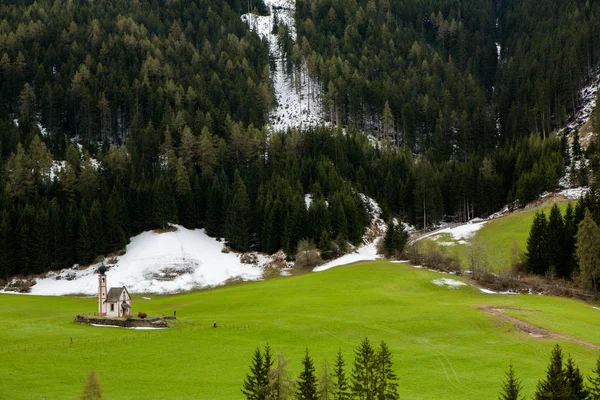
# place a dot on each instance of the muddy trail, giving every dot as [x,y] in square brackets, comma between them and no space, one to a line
[531,329]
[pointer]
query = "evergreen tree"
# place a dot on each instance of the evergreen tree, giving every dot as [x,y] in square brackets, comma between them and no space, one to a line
[253,387]
[588,252]
[115,234]
[340,383]
[238,218]
[307,381]
[537,245]
[512,387]
[594,386]
[556,240]
[574,380]
[85,244]
[6,247]
[164,208]
[91,389]
[385,378]
[96,229]
[569,241]
[555,385]
[364,385]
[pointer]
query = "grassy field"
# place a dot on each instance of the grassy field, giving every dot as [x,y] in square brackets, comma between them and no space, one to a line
[444,346]
[500,235]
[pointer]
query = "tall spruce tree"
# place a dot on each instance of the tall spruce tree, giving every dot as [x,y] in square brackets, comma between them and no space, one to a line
[512,387]
[575,383]
[385,378]
[556,240]
[554,386]
[307,381]
[364,385]
[594,385]
[253,387]
[237,221]
[341,391]
[537,245]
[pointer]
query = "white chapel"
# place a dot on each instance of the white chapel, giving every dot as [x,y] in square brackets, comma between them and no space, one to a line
[113,303]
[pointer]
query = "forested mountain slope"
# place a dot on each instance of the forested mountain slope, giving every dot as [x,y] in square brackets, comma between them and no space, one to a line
[118,117]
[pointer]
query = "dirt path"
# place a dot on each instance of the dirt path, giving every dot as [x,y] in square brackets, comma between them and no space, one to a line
[533,330]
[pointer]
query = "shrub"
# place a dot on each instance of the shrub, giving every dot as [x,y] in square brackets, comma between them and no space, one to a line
[142,315]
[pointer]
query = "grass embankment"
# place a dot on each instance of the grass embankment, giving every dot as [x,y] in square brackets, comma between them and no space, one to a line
[500,236]
[444,346]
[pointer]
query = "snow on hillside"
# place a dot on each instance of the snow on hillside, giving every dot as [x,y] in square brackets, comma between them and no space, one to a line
[185,259]
[298,96]
[459,233]
[167,262]
[587,99]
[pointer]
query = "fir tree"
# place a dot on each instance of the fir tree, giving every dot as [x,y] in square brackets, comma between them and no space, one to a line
[512,387]
[307,381]
[253,387]
[385,378]
[85,245]
[91,389]
[556,240]
[554,386]
[574,380]
[96,229]
[237,222]
[364,385]
[594,386]
[341,384]
[537,245]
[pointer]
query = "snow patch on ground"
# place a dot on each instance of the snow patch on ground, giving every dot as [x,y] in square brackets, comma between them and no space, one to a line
[159,263]
[458,233]
[297,95]
[450,283]
[487,291]
[363,253]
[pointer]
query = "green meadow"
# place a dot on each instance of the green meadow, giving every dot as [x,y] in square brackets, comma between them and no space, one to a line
[444,346]
[500,236]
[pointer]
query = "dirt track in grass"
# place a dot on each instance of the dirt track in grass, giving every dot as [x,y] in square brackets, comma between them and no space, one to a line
[531,329]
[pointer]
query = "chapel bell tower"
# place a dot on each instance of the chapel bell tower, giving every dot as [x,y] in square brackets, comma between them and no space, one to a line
[102,290]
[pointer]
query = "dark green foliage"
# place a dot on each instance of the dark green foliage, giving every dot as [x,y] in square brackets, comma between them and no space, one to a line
[537,245]
[511,389]
[594,379]
[555,385]
[341,390]
[364,378]
[555,242]
[307,381]
[574,380]
[386,379]
[394,240]
[238,217]
[255,384]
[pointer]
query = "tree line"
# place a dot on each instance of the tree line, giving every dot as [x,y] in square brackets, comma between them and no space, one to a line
[250,189]
[372,377]
[567,246]
[563,381]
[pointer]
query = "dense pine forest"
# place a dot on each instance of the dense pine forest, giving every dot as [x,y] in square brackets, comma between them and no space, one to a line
[118,117]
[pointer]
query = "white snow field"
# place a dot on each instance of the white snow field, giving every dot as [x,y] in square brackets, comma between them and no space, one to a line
[167,262]
[367,252]
[298,96]
[459,233]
